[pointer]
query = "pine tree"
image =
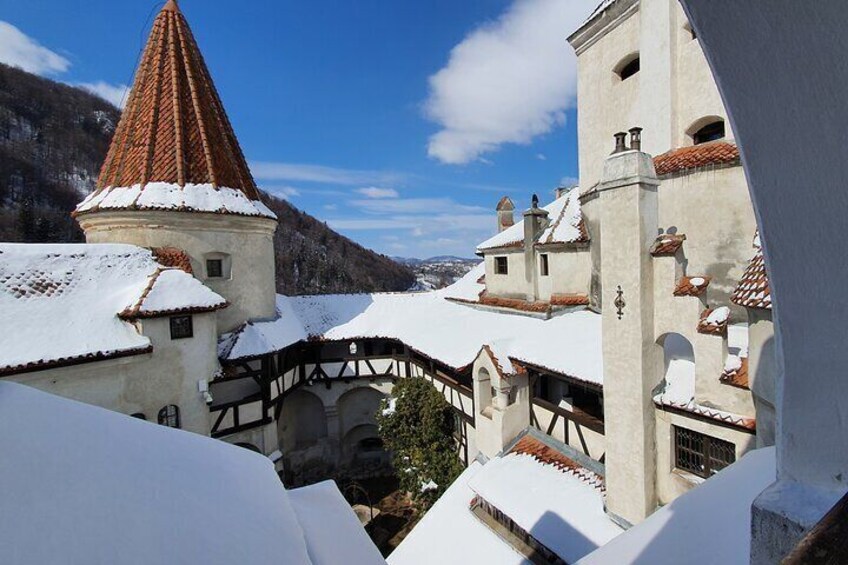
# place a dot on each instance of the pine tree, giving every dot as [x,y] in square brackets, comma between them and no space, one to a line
[417,425]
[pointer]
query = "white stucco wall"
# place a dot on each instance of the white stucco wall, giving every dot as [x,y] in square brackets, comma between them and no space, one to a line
[672,482]
[570,271]
[248,241]
[514,283]
[145,383]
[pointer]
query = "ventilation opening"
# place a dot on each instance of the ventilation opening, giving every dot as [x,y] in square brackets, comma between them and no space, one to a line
[628,66]
[710,132]
[690,31]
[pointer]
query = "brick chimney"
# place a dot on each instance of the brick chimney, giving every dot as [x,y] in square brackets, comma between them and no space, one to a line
[505,213]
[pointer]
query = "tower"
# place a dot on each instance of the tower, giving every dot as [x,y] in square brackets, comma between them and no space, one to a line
[628,209]
[175,176]
[506,217]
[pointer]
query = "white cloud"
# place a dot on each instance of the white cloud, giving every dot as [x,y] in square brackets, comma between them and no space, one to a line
[321,174]
[541,157]
[19,50]
[286,192]
[374,192]
[414,206]
[331,207]
[114,93]
[507,81]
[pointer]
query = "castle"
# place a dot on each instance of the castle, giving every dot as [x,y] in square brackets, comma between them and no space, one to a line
[624,325]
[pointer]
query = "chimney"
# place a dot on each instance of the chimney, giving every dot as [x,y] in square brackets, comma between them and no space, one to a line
[620,142]
[535,221]
[636,139]
[505,211]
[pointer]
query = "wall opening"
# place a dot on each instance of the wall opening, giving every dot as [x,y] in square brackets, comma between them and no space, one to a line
[628,66]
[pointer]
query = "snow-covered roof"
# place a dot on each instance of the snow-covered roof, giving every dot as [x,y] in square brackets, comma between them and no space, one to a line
[566,225]
[170,196]
[82,484]
[450,534]
[61,303]
[558,506]
[718,511]
[452,333]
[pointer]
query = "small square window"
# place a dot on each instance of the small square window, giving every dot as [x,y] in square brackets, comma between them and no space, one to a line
[214,268]
[181,327]
[501,266]
[543,264]
[169,416]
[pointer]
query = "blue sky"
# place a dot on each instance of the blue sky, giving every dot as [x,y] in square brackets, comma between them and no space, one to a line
[398,122]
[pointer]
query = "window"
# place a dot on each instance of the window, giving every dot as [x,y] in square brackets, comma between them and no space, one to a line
[139,415]
[701,454]
[181,327]
[628,66]
[501,266]
[710,132]
[214,268]
[543,260]
[170,416]
[690,31]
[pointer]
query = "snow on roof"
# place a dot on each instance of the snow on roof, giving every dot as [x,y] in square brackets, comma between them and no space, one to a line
[557,508]
[451,333]
[170,291]
[82,484]
[566,225]
[61,303]
[450,534]
[170,196]
[332,531]
[719,510]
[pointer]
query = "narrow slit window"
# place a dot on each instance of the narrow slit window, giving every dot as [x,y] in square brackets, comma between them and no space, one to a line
[214,268]
[543,264]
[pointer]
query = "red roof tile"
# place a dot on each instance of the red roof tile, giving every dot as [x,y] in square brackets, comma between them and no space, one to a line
[505,203]
[667,244]
[737,377]
[174,128]
[528,445]
[753,290]
[695,157]
[705,326]
[692,286]
[569,299]
[173,257]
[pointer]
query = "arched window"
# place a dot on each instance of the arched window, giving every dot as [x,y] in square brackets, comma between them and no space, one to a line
[709,132]
[627,67]
[679,358]
[139,415]
[170,416]
[485,392]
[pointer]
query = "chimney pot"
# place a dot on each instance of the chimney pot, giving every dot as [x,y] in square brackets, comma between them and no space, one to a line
[620,142]
[636,139]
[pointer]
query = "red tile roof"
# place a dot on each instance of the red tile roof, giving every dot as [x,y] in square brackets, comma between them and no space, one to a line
[174,128]
[667,244]
[173,257]
[753,290]
[514,303]
[529,445]
[695,157]
[705,326]
[569,299]
[505,203]
[687,287]
[737,377]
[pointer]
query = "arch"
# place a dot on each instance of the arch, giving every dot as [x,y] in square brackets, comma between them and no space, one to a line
[358,407]
[628,66]
[248,446]
[678,363]
[483,382]
[169,416]
[362,443]
[303,422]
[706,129]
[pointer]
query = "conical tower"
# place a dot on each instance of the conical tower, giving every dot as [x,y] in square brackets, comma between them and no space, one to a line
[175,176]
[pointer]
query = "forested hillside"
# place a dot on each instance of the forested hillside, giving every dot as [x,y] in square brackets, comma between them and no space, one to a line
[53,139]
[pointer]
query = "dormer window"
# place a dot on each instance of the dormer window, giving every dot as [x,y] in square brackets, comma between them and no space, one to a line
[710,132]
[628,66]
[501,266]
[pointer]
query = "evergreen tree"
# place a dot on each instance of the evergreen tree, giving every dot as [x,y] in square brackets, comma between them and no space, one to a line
[26,221]
[417,425]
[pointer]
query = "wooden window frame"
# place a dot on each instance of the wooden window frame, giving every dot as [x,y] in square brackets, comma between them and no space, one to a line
[502,265]
[177,332]
[704,455]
